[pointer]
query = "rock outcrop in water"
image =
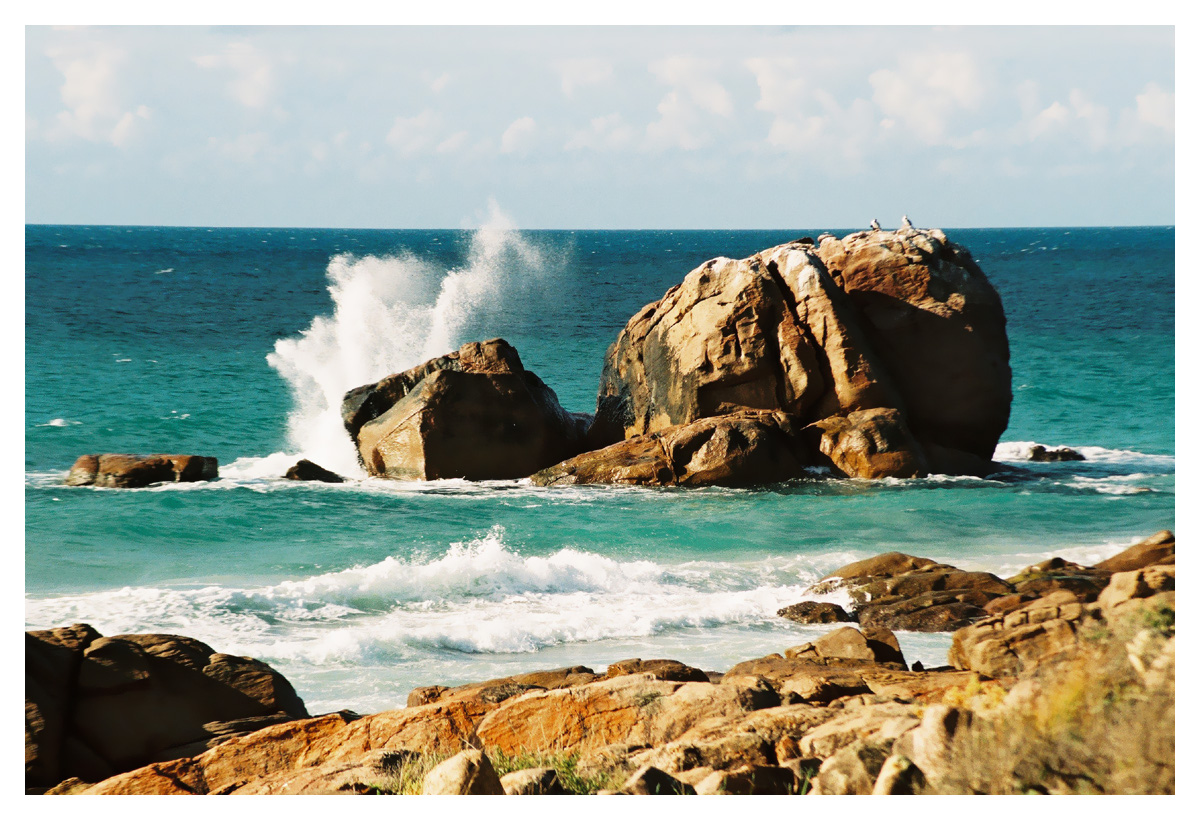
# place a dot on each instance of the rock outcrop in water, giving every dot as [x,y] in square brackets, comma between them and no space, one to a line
[888,349]
[476,413]
[1061,695]
[130,471]
[96,706]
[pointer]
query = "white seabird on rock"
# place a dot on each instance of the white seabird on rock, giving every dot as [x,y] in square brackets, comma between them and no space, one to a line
[875,225]
[906,223]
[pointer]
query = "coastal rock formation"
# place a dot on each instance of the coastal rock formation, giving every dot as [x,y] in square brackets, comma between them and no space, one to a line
[1040,453]
[129,471]
[96,706]
[739,449]
[1056,696]
[814,612]
[890,348]
[476,413]
[898,591]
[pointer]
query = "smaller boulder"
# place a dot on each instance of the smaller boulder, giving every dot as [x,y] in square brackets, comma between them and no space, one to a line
[468,772]
[305,470]
[873,443]
[532,781]
[657,669]
[650,780]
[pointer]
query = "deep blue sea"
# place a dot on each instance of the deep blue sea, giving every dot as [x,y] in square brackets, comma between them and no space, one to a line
[238,343]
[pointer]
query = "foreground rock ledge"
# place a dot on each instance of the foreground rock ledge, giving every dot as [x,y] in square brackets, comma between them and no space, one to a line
[1057,696]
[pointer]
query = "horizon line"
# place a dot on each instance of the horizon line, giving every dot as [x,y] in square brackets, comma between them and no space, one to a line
[477,227]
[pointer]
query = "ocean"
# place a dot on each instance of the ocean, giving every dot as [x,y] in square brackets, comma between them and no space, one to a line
[238,343]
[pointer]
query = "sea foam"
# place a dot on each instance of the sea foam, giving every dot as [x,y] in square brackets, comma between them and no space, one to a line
[391,313]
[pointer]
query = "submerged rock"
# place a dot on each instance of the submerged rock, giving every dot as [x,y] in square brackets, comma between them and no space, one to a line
[476,413]
[1040,453]
[814,612]
[305,470]
[130,471]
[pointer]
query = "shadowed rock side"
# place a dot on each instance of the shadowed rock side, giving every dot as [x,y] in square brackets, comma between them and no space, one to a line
[96,706]
[476,414]
[889,347]
[1060,695]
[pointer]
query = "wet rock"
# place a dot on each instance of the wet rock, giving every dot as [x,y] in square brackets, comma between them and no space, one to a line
[130,471]
[305,470]
[814,612]
[1040,453]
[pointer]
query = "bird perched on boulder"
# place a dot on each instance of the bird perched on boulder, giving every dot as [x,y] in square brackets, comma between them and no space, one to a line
[906,223]
[875,225]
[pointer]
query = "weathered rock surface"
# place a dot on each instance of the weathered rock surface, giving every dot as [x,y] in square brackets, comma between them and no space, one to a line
[130,471]
[305,470]
[739,449]
[889,348]
[1157,549]
[468,772]
[541,780]
[476,413]
[96,706]
[495,691]
[814,612]
[898,591]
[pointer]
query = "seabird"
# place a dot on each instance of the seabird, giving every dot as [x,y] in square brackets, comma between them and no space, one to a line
[906,223]
[874,224]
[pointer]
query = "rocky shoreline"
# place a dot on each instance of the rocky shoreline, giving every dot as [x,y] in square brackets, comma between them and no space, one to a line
[1061,680]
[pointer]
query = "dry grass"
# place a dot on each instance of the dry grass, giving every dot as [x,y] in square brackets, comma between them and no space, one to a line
[1091,724]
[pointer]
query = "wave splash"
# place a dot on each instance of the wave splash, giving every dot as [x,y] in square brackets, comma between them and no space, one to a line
[391,313]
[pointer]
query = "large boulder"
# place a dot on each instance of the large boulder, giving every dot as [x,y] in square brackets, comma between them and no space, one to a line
[739,449]
[937,326]
[889,347]
[96,706]
[130,471]
[476,413]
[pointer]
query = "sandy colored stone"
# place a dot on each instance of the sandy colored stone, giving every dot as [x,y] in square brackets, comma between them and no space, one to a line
[468,772]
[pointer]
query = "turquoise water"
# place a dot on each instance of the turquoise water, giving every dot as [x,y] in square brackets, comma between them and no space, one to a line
[237,343]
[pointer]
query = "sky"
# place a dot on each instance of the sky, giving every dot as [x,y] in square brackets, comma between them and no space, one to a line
[600,126]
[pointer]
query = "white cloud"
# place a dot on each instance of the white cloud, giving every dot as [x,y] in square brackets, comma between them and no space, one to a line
[415,135]
[925,90]
[582,72]
[253,76]
[519,136]
[453,144]
[781,85]
[607,133]
[1156,107]
[94,108]
[689,110]
[243,148]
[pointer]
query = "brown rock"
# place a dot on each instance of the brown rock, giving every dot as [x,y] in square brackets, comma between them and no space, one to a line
[937,326]
[105,705]
[305,470]
[814,612]
[853,769]
[1157,549]
[129,471]
[474,414]
[872,443]
[751,780]
[739,449]
[500,689]
[657,669]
